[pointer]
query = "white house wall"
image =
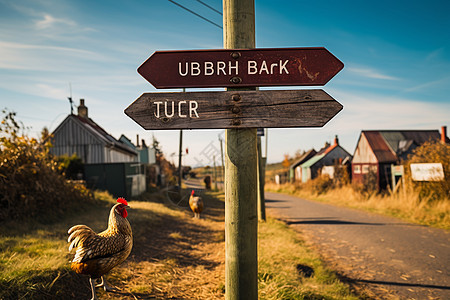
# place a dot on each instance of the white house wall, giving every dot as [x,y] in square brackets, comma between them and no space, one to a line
[114,156]
[363,153]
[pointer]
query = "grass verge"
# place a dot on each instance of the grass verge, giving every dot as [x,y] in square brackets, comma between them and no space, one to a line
[174,256]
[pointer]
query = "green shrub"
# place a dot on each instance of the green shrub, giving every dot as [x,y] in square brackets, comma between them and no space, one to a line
[30,182]
[71,166]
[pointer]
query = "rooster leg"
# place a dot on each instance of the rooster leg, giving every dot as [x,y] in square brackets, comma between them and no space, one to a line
[94,295]
[106,286]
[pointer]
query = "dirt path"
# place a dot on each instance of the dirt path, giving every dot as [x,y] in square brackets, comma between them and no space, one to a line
[174,255]
[392,258]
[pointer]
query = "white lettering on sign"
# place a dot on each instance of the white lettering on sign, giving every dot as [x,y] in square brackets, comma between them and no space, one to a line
[280,67]
[183,109]
[228,68]
[208,68]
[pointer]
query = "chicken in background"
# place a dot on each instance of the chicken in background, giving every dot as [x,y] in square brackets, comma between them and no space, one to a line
[196,204]
[96,254]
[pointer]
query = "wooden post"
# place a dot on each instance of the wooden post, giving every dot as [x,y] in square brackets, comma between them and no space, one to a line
[241,222]
[261,179]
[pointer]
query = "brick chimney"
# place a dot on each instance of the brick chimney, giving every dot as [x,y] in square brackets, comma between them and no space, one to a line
[82,109]
[443,134]
[336,140]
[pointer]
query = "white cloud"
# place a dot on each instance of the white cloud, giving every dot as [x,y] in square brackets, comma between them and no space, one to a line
[20,56]
[50,21]
[370,73]
[441,81]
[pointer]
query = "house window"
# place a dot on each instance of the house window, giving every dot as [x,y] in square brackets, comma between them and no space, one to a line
[357,169]
[365,169]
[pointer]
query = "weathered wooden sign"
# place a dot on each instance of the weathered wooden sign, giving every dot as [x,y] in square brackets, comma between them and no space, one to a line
[233,109]
[240,67]
[427,172]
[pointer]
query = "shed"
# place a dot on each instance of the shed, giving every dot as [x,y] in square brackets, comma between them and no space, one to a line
[120,179]
[376,150]
[295,170]
[80,135]
[330,155]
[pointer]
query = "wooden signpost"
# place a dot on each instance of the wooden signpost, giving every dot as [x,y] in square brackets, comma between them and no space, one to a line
[240,67]
[233,109]
[241,109]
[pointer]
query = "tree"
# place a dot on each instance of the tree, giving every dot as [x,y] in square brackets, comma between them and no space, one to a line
[286,163]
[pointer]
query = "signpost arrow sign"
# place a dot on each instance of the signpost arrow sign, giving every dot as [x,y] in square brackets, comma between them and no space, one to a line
[233,109]
[240,67]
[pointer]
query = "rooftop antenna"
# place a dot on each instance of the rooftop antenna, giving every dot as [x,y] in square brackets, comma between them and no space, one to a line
[70,99]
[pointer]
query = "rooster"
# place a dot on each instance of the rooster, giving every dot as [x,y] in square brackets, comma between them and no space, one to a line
[96,254]
[196,205]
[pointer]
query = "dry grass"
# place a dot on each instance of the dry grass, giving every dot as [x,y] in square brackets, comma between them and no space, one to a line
[174,257]
[405,204]
[283,259]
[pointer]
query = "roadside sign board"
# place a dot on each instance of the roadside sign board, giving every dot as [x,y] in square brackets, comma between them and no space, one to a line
[233,109]
[427,172]
[240,67]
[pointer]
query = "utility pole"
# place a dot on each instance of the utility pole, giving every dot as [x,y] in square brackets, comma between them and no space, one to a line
[223,164]
[180,168]
[241,220]
[180,155]
[215,173]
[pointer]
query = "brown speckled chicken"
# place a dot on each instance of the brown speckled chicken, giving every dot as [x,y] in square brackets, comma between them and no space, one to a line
[96,254]
[196,205]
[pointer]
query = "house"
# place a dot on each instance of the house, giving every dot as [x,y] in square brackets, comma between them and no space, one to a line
[377,150]
[109,164]
[295,170]
[330,155]
[146,155]
[80,135]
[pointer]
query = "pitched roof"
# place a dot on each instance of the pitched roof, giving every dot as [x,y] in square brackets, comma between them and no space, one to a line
[307,155]
[101,134]
[379,146]
[390,145]
[313,160]
[321,154]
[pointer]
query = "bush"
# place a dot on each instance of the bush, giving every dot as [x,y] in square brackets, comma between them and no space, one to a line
[319,185]
[369,185]
[71,166]
[431,152]
[30,184]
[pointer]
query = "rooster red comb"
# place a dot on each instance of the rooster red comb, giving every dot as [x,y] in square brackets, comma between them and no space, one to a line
[122,200]
[192,193]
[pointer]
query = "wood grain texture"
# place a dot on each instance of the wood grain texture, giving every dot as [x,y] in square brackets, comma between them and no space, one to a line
[218,110]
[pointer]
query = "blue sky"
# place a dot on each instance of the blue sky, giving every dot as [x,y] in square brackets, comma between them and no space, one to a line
[396,56]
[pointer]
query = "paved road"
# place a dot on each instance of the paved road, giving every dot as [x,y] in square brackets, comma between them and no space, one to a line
[389,256]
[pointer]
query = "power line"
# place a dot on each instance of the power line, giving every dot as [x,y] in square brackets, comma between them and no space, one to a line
[194,13]
[210,7]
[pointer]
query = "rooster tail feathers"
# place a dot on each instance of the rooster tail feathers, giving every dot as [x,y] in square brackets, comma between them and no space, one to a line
[78,227]
[78,234]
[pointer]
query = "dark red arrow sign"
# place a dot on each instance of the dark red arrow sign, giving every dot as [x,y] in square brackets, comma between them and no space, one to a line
[240,67]
[233,109]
